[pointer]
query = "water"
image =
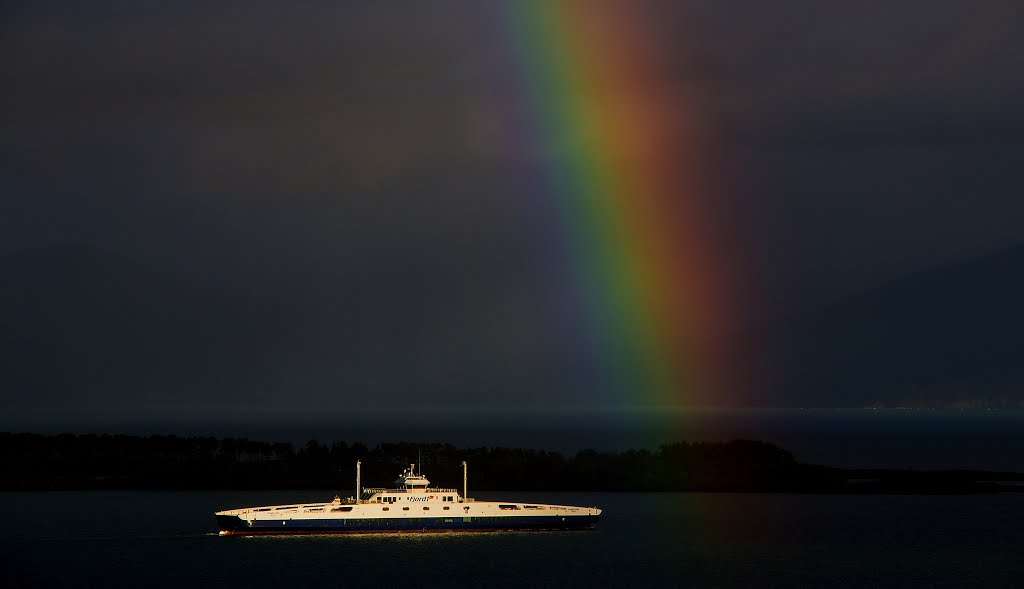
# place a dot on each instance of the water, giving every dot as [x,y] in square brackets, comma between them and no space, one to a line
[679,540]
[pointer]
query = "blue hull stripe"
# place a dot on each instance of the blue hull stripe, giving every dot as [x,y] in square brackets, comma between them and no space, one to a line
[235,524]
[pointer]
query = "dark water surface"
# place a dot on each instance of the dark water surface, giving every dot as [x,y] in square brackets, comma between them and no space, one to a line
[678,540]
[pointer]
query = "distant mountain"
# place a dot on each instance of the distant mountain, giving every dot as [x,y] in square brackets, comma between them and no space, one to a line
[79,324]
[83,327]
[951,336]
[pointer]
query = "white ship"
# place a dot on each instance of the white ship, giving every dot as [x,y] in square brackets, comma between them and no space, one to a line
[412,506]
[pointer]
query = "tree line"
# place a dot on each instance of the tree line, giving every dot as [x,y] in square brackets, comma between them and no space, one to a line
[90,461]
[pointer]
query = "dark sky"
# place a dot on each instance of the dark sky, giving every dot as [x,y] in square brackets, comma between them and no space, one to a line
[327,153]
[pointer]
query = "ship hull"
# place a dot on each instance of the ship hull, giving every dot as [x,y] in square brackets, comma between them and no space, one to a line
[230,524]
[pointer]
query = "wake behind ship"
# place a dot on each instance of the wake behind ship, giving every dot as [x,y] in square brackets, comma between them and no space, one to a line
[412,506]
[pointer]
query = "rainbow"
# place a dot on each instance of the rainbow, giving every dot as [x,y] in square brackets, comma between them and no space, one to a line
[618,136]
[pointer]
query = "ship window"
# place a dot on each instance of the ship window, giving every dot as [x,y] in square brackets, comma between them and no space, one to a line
[508,507]
[262,509]
[426,509]
[342,509]
[446,508]
[386,509]
[405,509]
[288,507]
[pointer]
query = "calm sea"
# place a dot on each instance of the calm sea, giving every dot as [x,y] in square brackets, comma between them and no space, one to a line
[140,539]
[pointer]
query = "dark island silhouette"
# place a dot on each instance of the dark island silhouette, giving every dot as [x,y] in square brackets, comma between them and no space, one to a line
[34,462]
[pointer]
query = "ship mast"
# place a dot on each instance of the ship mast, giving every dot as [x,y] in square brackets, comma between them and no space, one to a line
[465,489]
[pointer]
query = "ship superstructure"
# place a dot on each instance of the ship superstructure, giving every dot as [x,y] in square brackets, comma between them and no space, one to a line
[411,506]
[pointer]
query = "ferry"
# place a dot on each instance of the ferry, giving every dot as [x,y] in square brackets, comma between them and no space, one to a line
[411,506]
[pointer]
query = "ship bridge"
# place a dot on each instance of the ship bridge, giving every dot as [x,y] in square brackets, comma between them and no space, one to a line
[411,483]
[411,480]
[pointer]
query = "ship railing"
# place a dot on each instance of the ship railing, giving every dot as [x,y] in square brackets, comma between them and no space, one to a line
[372,490]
